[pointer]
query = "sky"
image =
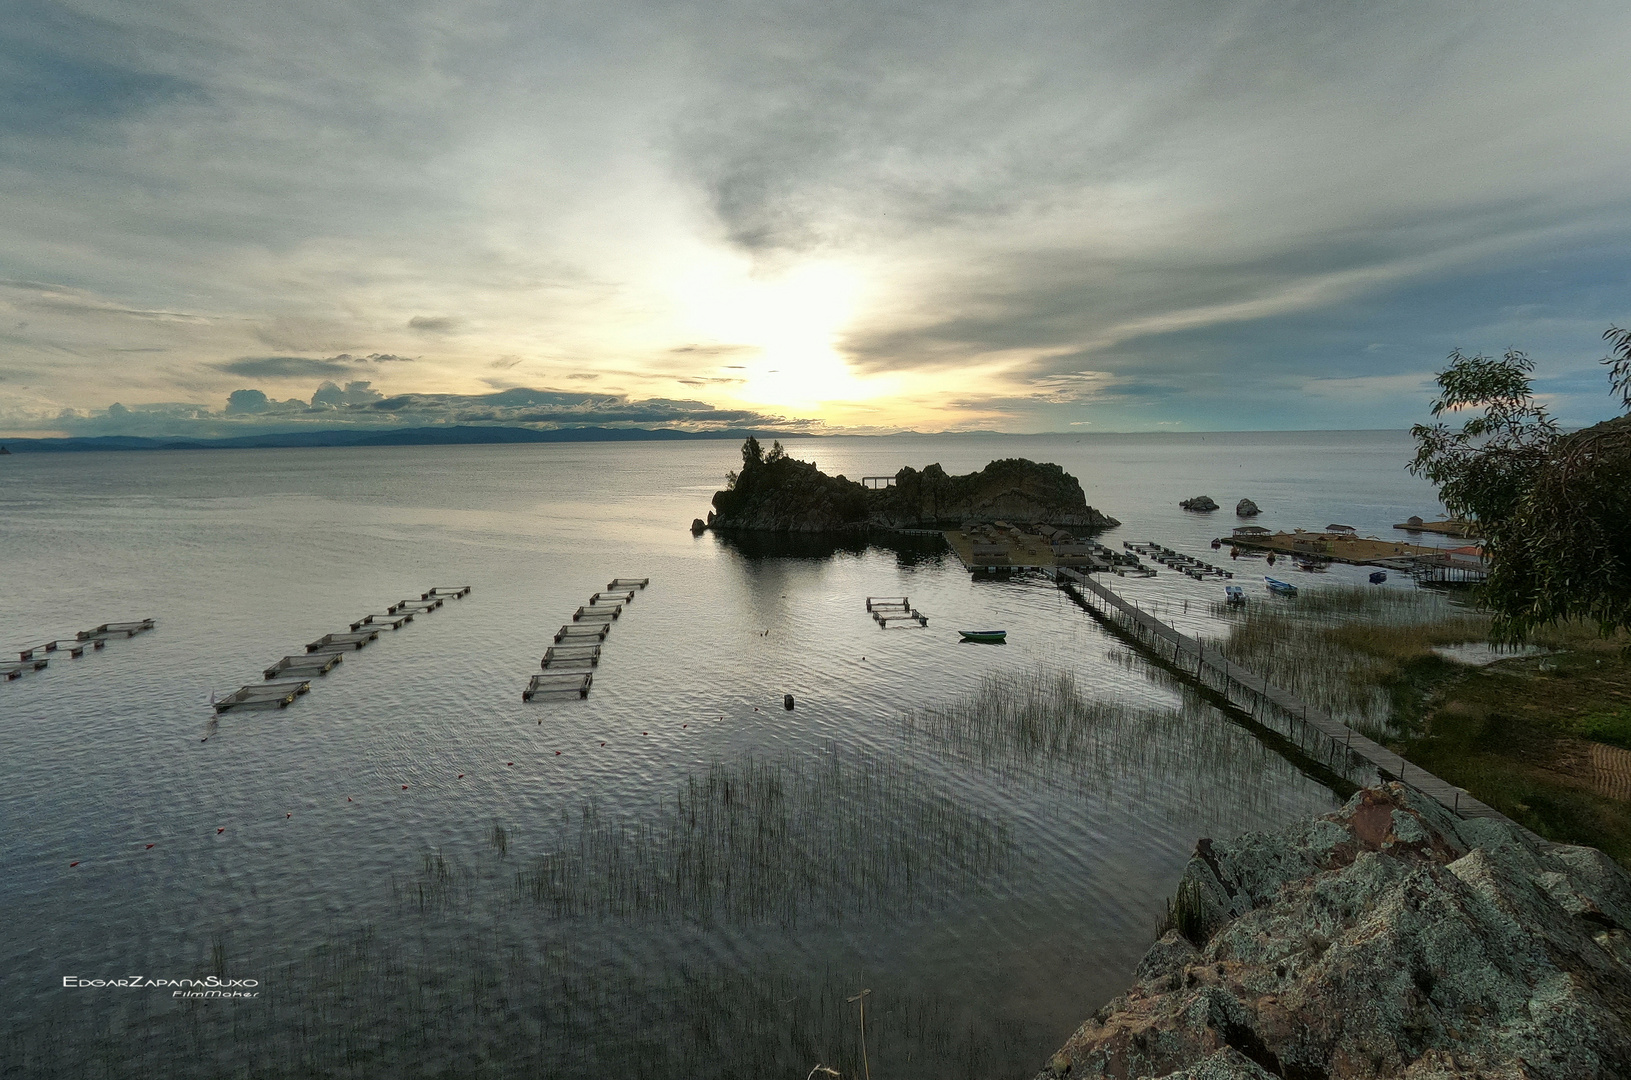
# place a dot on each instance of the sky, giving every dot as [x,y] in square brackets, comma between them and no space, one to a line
[222,216]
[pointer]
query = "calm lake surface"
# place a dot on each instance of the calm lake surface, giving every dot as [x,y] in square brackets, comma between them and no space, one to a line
[675,875]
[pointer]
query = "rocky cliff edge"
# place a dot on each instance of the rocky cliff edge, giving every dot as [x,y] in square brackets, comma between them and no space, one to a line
[1390,939]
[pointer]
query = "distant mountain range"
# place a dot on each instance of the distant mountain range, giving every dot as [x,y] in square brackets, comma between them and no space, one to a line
[421,436]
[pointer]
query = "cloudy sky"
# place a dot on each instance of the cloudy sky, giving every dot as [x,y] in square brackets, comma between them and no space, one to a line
[852,214]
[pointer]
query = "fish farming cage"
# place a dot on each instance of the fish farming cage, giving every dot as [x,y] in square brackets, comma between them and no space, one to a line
[1448,570]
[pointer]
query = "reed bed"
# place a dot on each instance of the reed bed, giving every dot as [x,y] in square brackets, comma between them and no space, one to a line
[1342,649]
[1036,728]
[582,961]
[772,841]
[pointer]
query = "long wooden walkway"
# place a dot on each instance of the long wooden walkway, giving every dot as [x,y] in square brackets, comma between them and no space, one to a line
[1317,733]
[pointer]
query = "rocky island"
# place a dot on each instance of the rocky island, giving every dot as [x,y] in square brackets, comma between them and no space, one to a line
[777,493]
[1389,939]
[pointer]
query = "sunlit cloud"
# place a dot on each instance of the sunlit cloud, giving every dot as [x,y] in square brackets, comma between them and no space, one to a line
[942,217]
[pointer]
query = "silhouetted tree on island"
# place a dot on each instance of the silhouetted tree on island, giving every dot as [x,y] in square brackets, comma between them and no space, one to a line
[1554,508]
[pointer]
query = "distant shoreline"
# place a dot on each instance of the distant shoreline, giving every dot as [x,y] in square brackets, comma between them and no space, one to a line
[422,436]
[472,435]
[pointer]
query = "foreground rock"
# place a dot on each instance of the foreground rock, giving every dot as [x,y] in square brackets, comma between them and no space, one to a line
[1246,508]
[776,493]
[1200,504]
[1390,939]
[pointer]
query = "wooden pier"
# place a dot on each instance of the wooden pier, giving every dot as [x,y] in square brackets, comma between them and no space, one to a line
[414,607]
[1317,734]
[446,592]
[627,583]
[624,596]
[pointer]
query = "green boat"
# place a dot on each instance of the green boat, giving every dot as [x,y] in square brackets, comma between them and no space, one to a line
[988,637]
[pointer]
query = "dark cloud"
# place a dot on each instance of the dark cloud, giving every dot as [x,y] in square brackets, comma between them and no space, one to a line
[61,70]
[284,367]
[435,324]
[712,350]
[304,367]
[357,404]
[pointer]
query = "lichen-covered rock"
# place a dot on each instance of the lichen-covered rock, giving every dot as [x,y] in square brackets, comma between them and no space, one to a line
[1246,508]
[1200,504]
[1390,939]
[776,493]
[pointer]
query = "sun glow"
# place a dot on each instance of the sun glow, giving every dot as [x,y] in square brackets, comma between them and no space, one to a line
[788,325]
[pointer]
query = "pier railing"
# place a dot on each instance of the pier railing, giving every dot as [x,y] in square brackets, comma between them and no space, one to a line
[1317,733]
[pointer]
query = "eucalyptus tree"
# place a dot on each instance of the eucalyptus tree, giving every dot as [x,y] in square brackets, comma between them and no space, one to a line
[1554,507]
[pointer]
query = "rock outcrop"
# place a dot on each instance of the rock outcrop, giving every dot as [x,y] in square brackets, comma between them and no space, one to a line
[1246,508]
[776,493]
[1390,939]
[1011,489]
[1200,504]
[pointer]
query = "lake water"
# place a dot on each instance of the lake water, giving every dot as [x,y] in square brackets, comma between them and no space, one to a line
[675,876]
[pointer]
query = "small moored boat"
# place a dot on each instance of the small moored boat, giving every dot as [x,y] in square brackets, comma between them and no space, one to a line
[1284,588]
[1378,576]
[1235,593]
[987,637]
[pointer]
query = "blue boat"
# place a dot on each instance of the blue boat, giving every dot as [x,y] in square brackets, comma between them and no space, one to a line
[1377,577]
[1284,588]
[986,637]
[1235,594]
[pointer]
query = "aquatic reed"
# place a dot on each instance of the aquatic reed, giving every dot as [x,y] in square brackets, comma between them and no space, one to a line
[1341,649]
[1186,913]
[771,841]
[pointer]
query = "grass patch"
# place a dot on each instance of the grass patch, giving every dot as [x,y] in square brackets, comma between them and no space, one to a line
[1345,650]
[1514,733]
[1612,728]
